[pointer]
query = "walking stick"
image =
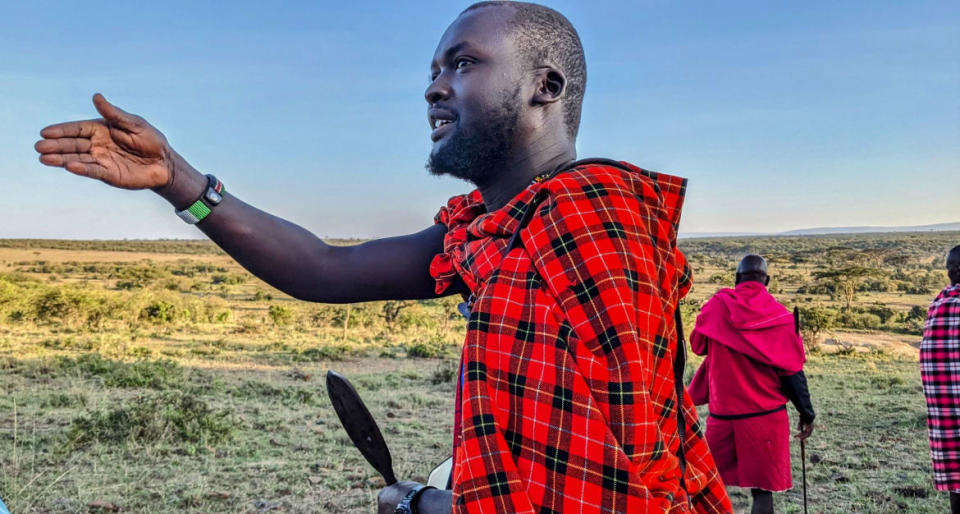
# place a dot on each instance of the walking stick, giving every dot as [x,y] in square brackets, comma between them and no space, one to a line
[803,443]
[803,464]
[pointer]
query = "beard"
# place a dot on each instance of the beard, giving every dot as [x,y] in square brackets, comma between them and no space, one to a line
[477,153]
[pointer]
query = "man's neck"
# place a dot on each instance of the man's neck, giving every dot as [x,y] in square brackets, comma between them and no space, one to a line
[521,170]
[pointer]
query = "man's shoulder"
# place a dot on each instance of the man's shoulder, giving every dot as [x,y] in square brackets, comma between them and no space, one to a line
[592,173]
[619,186]
[947,303]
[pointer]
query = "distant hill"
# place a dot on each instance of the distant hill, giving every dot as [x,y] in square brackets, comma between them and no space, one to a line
[939,227]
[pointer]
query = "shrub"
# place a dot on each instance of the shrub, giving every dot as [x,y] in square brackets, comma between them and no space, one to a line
[168,417]
[427,349]
[280,314]
[721,278]
[228,279]
[814,321]
[446,372]
[159,312]
[917,313]
[867,320]
[884,312]
[322,353]
[58,305]
[155,374]
[290,396]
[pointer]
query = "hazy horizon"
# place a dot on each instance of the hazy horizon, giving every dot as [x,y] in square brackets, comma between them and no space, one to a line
[782,117]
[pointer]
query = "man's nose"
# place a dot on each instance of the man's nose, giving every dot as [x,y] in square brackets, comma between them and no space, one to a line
[438,90]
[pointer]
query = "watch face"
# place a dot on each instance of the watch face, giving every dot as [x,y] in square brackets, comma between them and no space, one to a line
[402,509]
[213,196]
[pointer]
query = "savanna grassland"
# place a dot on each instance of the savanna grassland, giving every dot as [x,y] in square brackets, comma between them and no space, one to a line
[159,376]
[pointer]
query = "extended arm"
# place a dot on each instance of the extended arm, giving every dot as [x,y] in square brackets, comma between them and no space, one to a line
[125,151]
[298,263]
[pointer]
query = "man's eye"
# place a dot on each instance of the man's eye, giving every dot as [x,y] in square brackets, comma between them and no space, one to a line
[461,63]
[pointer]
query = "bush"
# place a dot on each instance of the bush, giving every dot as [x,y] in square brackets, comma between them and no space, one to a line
[290,396]
[917,313]
[446,372]
[322,353]
[158,374]
[721,278]
[228,279]
[867,320]
[427,349]
[159,312]
[280,314]
[814,321]
[169,417]
[884,312]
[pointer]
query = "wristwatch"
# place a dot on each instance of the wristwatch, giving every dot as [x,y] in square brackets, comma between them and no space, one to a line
[211,197]
[408,505]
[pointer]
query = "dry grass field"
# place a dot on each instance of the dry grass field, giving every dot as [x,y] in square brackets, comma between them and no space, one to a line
[161,377]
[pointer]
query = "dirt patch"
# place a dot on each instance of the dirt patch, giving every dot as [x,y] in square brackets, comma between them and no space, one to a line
[894,344]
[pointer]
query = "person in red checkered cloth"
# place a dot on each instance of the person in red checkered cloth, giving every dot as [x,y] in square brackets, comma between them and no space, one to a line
[940,371]
[567,400]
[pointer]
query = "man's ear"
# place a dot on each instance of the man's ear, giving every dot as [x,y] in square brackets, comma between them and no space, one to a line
[551,85]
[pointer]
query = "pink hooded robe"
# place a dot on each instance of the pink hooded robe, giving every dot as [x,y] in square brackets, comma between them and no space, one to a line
[750,342]
[757,345]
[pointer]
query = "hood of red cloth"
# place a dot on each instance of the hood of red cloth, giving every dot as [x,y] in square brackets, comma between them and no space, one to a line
[751,321]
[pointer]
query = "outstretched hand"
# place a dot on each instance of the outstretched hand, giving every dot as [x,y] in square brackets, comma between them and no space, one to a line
[121,149]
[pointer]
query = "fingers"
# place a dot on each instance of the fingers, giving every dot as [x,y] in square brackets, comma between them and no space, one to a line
[113,114]
[92,170]
[62,159]
[82,164]
[85,128]
[63,145]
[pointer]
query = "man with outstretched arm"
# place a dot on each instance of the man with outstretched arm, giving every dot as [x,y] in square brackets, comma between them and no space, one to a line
[754,364]
[940,371]
[566,399]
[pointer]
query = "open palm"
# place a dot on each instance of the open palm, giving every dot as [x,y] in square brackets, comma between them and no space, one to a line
[120,149]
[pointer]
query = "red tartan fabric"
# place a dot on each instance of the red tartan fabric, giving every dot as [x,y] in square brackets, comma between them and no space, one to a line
[940,371]
[567,393]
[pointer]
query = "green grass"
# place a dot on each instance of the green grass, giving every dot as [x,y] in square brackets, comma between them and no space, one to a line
[230,440]
[870,444]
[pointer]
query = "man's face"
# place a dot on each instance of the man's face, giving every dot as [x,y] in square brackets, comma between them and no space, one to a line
[474,97]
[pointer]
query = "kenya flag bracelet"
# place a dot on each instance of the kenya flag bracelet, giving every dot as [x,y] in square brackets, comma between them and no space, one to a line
[205,204]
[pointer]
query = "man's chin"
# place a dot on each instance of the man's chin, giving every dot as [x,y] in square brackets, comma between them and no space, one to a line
[438,170]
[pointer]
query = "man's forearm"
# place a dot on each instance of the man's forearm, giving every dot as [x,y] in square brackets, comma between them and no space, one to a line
[297,262]
[795,388]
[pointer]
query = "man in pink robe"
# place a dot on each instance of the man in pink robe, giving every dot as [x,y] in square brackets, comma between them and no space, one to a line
[754,364]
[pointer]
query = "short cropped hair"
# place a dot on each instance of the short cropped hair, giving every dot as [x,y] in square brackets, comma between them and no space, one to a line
[543,35]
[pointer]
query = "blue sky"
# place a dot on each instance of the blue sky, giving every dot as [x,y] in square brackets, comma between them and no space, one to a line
[782,114]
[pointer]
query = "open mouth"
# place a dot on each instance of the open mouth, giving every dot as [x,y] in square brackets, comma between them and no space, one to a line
[435,124]
[440,123]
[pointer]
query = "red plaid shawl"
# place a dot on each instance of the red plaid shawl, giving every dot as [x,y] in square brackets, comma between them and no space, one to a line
[567,392]
[939,361]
